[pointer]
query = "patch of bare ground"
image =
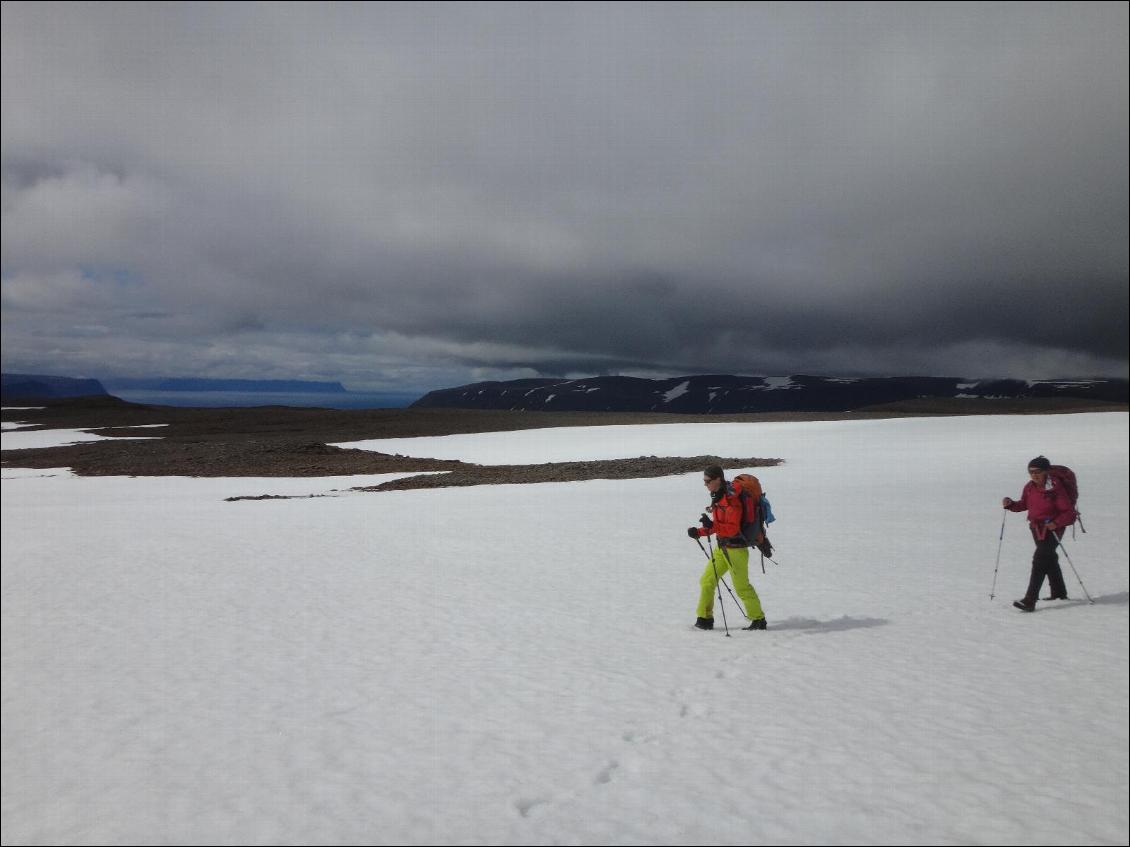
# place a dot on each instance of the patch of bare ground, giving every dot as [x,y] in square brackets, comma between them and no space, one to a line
[283,441]
[468,474]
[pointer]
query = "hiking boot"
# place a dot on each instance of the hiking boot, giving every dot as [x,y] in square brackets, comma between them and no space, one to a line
[757,624]
[704,623]
[1057,597]
[1025,605]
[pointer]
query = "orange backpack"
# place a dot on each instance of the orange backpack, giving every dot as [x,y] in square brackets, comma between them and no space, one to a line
[755,510]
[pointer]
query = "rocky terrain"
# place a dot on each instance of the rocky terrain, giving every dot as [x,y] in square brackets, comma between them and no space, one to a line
[295,442]
[274,441]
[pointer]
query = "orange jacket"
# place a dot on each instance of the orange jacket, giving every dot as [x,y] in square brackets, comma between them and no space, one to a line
[726,512]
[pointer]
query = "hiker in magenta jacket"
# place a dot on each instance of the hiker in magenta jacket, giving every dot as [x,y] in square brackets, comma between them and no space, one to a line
[1049,513]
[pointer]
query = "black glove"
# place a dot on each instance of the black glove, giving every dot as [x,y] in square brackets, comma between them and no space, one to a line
[765,547]
[706,522]
[692,531]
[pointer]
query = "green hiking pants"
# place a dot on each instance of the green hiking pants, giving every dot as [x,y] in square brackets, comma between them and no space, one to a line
[739,557]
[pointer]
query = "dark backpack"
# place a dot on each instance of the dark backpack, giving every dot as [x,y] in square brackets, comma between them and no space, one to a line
[756,511]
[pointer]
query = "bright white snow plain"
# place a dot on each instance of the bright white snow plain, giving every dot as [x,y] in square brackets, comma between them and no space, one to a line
[13,438]
[516,664]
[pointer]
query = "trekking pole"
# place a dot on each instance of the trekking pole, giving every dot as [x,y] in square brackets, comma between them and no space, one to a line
[999,545]
[1064,549]
[770,558]
[761,549]
[717,581]
[722,580]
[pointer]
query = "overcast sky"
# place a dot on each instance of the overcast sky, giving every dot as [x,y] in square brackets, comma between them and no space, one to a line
[416,196]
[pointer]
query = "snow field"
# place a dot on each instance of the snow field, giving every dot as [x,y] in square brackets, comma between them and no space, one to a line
[516,664]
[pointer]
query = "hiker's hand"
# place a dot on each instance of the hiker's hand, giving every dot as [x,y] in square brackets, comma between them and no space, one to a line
[706,522]
[692,531]
[1006,502]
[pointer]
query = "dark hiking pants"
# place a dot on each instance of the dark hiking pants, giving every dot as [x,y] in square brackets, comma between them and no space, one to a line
[1045,563]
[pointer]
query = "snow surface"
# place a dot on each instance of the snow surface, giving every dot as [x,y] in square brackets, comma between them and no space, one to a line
[516,664]
[17,439]
[779,383]
[678,391]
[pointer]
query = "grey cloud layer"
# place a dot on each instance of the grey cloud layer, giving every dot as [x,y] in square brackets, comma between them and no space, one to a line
[468,190]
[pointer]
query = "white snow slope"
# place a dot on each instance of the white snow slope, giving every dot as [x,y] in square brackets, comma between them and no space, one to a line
[516,664]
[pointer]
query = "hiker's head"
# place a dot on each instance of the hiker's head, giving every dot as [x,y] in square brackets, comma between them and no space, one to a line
[714,478]
[1038,467]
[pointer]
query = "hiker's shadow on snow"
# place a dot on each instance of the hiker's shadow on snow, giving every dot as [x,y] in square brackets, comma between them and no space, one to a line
[1120,599]
[812,626]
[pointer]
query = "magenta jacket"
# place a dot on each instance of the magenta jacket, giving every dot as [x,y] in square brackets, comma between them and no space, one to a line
[1044,505]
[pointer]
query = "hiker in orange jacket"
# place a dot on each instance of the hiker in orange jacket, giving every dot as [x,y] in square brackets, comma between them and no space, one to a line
[1049,513]
[732,551]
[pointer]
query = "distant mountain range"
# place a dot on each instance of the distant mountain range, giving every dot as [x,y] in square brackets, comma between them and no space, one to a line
[245,386]
[697,395]
[32,387]
[23,388]
[720,394]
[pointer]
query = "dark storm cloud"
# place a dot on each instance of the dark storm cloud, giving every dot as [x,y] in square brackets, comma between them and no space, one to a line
[426,194]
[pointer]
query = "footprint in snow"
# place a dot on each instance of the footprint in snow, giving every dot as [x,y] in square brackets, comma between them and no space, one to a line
[693,710]
[605,775]
[527,805]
